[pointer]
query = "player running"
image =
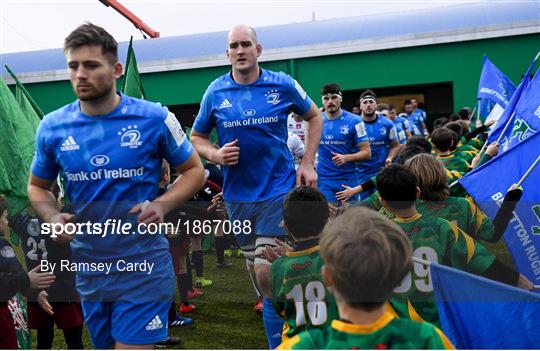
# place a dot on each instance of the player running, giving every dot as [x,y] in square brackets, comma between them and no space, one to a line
[344,142]
[109,147]
[248,107]
[383,139]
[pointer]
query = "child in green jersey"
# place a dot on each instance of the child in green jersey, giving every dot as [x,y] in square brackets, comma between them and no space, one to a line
[366,256]
[459,148]
[435,201]
[443,140]
[436,240]
[298,292]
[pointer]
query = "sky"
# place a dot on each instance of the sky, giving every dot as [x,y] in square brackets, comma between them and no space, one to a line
[27,25]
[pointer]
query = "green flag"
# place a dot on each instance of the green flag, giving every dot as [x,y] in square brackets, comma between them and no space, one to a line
[16,153]
[132,84]
[27,104]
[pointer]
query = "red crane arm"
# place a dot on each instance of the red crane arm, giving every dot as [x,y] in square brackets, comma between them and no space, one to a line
[137,22]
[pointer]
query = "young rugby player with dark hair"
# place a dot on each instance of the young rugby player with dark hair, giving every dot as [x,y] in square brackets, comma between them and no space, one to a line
[297,275]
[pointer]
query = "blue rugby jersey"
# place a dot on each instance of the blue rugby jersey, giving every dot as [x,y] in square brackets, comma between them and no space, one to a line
[402,137]
[110,163]
[340,135]
[256,115]
[381,133]
[416,119]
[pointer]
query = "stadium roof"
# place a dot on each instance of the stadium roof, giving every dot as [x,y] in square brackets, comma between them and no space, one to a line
[463,22]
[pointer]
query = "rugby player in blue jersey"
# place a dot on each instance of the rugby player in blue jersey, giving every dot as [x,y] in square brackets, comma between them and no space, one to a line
[109,147]
[383,139]
[402,125]
[415,117]
[248,107]
[344,142]
[422,113]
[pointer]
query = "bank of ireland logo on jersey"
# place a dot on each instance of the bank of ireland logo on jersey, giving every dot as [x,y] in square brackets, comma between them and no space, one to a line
[69,144]
[130,137]
[99,160]
[272,97]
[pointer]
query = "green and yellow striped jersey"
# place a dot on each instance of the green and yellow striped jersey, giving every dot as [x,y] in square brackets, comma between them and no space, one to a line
[373,201]
[298,292]
[474,142]
[462,212]
[466,151]
[453,162]
[388,332]
[436,240]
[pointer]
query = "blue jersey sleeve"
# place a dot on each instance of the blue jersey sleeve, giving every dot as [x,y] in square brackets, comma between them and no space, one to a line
[392,133]
[176,149]
[205,120]
[44,164]
[301,102]
[361,133]
[406,125]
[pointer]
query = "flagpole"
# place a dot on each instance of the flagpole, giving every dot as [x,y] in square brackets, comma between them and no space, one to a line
[473,111]
[38,110]
[506,127]
[126,69]
[533,166]
[419,260]
[484,147]
[478,113]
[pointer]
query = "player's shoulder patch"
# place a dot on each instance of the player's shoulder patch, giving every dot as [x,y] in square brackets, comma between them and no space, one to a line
[360,129]
[7,252]
[175,128]
[33,227]
[393,133]
[300,90]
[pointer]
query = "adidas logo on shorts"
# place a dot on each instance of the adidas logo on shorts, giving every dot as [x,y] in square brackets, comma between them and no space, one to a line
[225,104]
[154,324]
[69,144]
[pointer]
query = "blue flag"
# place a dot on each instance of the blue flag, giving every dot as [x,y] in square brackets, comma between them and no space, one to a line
[509,112]
[494,85]
[478,313]
[527,117]
[489,183]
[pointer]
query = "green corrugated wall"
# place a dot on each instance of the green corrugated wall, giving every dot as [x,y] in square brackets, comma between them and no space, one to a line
[459,63]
